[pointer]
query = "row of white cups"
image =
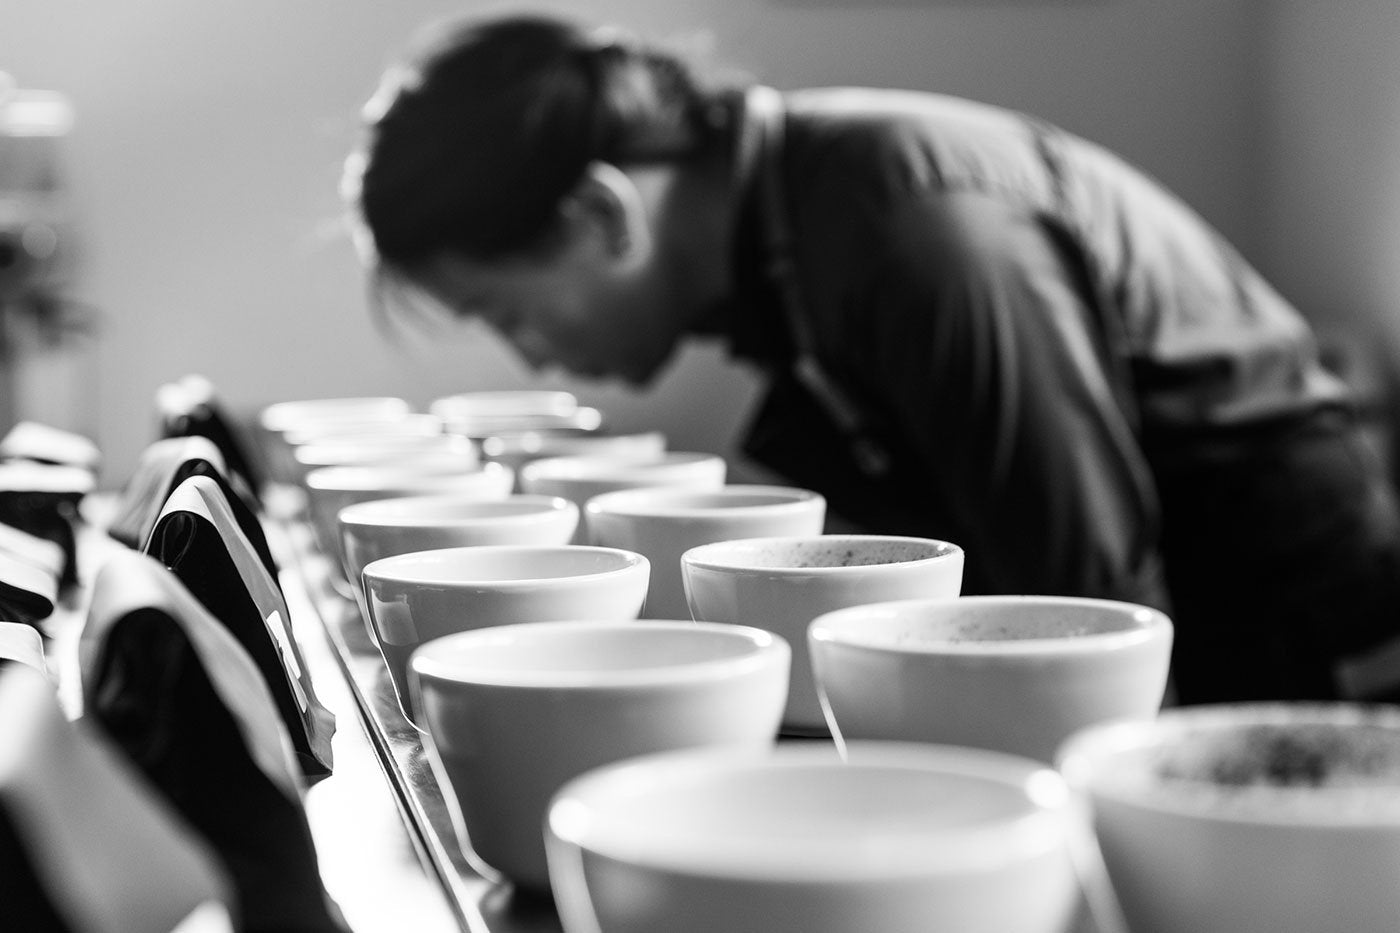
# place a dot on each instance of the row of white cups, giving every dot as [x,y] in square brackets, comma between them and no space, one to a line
[600,640]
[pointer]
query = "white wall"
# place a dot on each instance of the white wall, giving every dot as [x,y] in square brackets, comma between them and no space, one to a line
[209,139]
[1332,157]
[1329,164]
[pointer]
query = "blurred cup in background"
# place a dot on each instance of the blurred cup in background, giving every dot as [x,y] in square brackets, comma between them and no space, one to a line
[330,489]
[277,420]
[519,448]
[663,523]
[385,527]
[783,583]
[416,597]
[580,478]
[372,449]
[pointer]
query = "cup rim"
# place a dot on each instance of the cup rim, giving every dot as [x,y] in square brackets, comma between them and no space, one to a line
[669,501]
[384,569]
[390,477]
[602,466]
[478,427]
[704,557]
[531,440]
[844,627]
[1079,755]
[376,441]
[401,424]
[764,650]
[505,402]
[1040,824]
[420,460]
[387,513]
[292,413]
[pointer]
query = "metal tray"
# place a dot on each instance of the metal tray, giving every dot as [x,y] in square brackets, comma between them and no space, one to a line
[476,904]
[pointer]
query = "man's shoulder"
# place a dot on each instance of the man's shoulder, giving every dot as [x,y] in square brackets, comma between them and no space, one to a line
[893,141]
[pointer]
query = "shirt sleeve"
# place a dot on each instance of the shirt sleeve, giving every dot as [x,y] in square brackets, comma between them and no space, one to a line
[977,341]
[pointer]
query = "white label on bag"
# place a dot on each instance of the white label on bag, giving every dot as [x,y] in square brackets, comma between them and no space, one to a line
[282,638]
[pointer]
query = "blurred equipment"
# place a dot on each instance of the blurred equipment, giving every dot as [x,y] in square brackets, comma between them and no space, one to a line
[36,236]
[33,212]
[43,443]
[43,500]
[44,474]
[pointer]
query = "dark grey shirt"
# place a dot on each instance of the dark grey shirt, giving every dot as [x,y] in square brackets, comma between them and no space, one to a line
[1042,331]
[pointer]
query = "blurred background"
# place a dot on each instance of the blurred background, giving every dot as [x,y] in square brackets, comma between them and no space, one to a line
[187,219]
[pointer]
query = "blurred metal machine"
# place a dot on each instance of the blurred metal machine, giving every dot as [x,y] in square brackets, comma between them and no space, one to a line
[36,242]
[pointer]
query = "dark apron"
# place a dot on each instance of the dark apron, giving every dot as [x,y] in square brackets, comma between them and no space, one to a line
[1309,532]
[807,429]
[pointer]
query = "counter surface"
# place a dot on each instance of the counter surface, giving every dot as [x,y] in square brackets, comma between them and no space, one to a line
[387,850]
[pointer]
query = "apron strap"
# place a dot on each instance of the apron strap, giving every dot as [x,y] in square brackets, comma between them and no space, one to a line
[766,106]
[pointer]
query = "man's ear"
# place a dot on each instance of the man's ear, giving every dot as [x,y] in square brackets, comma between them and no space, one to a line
[607,198]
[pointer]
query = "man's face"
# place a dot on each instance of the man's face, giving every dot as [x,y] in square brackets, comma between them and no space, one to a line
[576,309]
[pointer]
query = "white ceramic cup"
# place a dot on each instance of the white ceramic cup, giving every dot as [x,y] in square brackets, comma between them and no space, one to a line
[783,583]
[1016,674]
[514,711]
[479,427]
[330,489]
[1249,818]
[663,523]
[385,527]
[416,597]
[277,420]
[894,839]
[373,448]
[519,448]
[487,413]
[580,478]
[502,403]
[401,424]
[285,416]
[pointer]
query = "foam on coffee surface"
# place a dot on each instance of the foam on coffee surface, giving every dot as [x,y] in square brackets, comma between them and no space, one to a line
[1020,625]
[1286,756]
[969,626]
[838,553]
[1275,770]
